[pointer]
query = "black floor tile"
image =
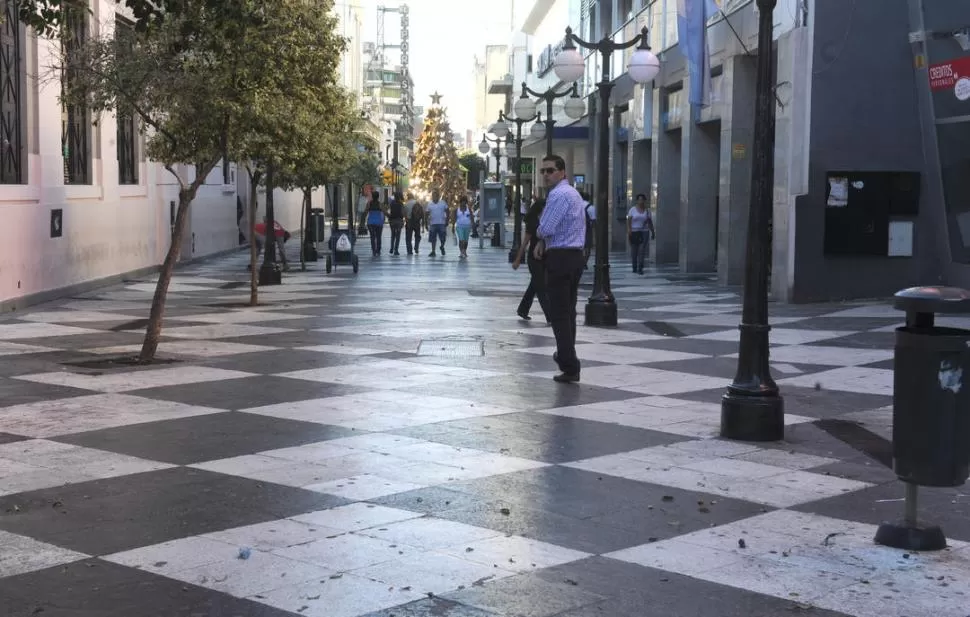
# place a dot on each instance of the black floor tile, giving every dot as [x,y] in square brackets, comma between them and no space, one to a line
[862,340]
[632,590]
[807,401]
[9,438]
[20,392]
[98,588]
[947,507]
[246,392]
[541,437]
[687,345]
[521,392]
[208,437]
[435,607]
[282,361]
[849,324]
[526,595]
[107,516]
[92,340]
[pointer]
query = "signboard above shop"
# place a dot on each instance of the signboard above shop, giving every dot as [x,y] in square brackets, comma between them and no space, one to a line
[547,58]
[950,83]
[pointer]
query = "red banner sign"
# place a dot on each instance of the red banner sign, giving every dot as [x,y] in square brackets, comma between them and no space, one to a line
[944,76]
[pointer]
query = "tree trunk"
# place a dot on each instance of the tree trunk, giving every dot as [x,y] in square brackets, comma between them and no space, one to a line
[154,329]
[303,230]
[253,252]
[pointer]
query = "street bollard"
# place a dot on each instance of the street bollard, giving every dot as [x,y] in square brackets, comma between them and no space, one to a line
[931,408]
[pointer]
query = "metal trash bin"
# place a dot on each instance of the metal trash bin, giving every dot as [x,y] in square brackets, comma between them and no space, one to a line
[931,407]
[317,225]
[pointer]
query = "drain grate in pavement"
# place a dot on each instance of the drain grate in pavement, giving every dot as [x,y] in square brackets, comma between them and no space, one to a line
[451,348]
[664,329]
[137,324]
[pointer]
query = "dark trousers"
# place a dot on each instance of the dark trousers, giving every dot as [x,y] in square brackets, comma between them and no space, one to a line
[638,252]
[536,289]
[413,232]
[564,268]
[375,231]
[396,235]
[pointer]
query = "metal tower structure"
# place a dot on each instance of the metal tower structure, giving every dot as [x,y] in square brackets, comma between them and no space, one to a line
[406,125]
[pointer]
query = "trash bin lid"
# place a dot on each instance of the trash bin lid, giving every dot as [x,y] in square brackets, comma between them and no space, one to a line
[933,300]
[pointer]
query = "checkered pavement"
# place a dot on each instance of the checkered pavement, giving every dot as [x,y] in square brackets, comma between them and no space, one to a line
[390,444]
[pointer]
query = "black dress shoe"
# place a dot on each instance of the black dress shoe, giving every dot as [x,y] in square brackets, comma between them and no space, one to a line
[524,316]
[566,378]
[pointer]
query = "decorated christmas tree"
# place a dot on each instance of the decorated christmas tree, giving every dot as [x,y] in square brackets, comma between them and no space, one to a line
[436,164]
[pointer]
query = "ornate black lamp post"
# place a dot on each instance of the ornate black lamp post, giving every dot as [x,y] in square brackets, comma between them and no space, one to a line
[570,66]
[270,272]
[752,409]
[496,150]
[501,129]
[574,107]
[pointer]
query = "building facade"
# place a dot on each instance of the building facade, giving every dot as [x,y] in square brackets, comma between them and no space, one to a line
[82,203]
[871,160]
[388,92]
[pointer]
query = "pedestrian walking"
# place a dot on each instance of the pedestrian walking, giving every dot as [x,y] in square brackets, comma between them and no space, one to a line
[639,227]
[414,214]
[437,215]
[537,281]
[395,217]
[562,230]
[375,224]
[464,221]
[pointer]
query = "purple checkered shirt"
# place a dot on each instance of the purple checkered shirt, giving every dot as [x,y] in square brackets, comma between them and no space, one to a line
[563,222]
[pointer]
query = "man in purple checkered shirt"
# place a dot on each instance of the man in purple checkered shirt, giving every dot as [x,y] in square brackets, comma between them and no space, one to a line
[562,230]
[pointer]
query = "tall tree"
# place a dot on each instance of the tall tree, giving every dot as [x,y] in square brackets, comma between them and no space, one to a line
[189,78]
[474,165]
[436,163]
[47,16]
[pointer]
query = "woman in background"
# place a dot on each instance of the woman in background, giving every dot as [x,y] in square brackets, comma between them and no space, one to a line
[464,221]
[375,224]
[639,223]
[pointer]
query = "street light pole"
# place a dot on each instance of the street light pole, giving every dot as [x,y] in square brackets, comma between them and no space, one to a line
[269,272]
[517,232]
[549,96]
[601,309]
[753,409]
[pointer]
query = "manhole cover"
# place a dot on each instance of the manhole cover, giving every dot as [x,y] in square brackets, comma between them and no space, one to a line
[451,348]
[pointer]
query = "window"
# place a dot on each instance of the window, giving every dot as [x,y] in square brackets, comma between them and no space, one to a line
[75,121]
[528,63]
[12,158]
[127,129]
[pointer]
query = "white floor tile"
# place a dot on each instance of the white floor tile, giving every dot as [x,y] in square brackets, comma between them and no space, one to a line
[198,349]
[88,413]
[55,317]
[346,552]
[218,331]
[849,379]
[18,331]
[514,553]
[778,336]
[170,557]
[135,380]
[677,556]
[363,486]
[344,596]
[20,555]
[273,534]
[431,533]
[432,573]
[356,517]
[827,356]
[260,573]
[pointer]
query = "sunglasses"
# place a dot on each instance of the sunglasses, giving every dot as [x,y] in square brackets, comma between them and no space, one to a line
[548,170]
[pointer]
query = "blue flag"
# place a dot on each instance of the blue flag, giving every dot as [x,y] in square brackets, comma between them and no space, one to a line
[692,18]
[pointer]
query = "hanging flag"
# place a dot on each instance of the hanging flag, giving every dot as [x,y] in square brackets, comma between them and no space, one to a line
[692,18]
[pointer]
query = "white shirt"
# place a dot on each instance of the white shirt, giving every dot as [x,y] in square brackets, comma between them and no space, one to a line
[463,218]
[438,212]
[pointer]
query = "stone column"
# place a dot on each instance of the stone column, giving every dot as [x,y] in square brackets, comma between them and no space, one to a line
[737,135]
[699,180]
[666,169]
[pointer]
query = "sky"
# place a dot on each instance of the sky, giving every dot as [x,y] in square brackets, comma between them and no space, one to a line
[445,36]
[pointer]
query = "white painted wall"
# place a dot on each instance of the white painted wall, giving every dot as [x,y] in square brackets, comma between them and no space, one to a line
[108,229]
